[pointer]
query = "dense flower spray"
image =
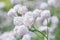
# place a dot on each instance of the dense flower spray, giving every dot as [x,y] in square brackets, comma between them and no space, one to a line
[26,22]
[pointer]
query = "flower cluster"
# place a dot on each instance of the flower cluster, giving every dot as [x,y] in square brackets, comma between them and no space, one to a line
[24,20]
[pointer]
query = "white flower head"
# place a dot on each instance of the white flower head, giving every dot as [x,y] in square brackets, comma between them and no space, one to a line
[28,21]
[22,10]
[16,7]
[26,37]
[20,30]
[32,34]
[7,36]
[12,13]
[29,14]
[51,2]
[18,21]
[54,20]
[45,14]
[37,12]
[44,6]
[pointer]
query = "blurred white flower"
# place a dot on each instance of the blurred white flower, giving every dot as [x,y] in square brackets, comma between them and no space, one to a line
[15,1]
[22,10]
[29,14]
[32,34]
[45,14]
[36,12]
[54,20]
[18,21]
[20,30]
[12,13]
[2,5]
[26,37]
[28,21]
[44,6]
[7,36]
[16,7]
[51,2]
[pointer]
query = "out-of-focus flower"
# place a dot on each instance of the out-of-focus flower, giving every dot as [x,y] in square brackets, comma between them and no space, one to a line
[18,21]
[45,14]
[22,10]
[26,37]
[16,7]
[28,21]
[51,2]
[20,30]
[36,12]
[44,6]
[12,13]
[54,20]
[7,36]
[32,34]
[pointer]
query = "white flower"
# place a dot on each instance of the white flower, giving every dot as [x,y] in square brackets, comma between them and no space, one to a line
[20,30]
[37,12]
[43,28]
[22,10]
[54,19]
[45,22]
[7,36]
[44,6]
[28,21]
[51,2]
[15,1]
[12,13]
[18,21]
[16,7]
[38,22]
[29,14]
[45,14]
[2,5]
[32,34]
[26,37]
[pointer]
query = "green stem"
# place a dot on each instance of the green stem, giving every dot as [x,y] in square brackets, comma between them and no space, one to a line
[40,32]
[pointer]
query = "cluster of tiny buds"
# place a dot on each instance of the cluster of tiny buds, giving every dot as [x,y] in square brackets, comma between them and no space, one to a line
[24,19]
